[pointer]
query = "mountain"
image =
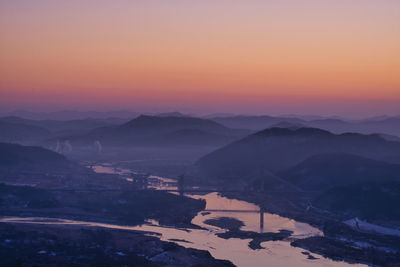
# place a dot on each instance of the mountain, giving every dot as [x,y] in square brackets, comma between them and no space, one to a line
[285,124]
[277,149]
[144,124]
[165,131]
[65,127]
[325,171]
[194,137]
[310,117]
[21,133]
[380,118]
[216,115]
[31,158]
[253,122]
[71,114]
[172,114]
[384,125]
[74,127]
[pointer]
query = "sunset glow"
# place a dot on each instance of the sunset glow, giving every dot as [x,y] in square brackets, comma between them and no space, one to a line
[257,55]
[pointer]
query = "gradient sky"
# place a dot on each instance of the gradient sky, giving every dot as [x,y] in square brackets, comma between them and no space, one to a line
[302,56]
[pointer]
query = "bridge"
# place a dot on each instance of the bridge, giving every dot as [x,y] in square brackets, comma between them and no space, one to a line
[141,183]
[182,193]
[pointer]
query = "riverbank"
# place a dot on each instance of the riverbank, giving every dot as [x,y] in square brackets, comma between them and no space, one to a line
[120,207]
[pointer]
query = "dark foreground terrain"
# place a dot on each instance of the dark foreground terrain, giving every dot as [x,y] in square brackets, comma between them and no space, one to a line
[32,186]
[46,245]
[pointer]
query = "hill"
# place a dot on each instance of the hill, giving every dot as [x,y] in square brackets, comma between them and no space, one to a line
[384,125]
[31,158]
[324,171]
[71,114]
[387,125]
[254,123]
[161,131]
[21,133]
[372,201]
[277,149]
[194,137]
[172,114]
[144,124]
[65,127]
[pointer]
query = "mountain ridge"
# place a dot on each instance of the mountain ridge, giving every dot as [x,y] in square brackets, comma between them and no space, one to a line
[276,149]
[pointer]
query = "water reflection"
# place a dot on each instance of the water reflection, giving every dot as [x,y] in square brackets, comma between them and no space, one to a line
[239,210]
[275,253]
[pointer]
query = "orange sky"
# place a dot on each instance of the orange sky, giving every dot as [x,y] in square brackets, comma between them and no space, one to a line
[121,53]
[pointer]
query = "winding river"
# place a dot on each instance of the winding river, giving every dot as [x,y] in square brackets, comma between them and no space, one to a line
[274,253]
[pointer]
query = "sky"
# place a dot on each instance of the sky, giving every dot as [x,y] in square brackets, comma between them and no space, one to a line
[337,57]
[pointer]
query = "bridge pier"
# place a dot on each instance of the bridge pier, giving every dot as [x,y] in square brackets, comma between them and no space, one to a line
[261,218]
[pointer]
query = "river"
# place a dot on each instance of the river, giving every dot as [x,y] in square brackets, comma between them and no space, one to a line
[274,253]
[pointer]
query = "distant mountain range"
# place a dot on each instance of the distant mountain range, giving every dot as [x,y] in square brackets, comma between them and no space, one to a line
[383,124]
[277,149]
[21,133]
[77,122]
[255,123]
[390,125]
[70,114]
[172,114]
[161,131]
[29,129]
[82,115]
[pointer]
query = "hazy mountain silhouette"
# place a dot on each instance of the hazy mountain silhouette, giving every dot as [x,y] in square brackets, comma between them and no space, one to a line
[385,125]
[218,115]
[167,131]
[65,127]
[172,114]
[253,122]
[21,133]
[324,171]
[382,124]
[194,137]
[289,125]
[31,158]
[144,123]
[276,149]
[71,114]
